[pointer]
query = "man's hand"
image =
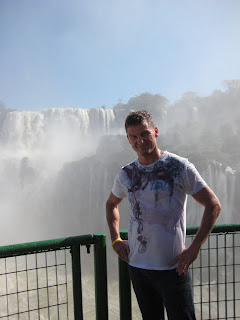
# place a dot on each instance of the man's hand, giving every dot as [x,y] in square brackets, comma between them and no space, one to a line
[122,249]
[185,259]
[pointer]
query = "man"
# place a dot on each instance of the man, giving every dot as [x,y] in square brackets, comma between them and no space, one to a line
[157,184]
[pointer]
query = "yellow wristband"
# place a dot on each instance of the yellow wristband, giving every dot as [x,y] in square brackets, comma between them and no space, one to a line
[118,239]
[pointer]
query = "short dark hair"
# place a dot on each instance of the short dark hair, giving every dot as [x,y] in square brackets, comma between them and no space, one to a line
[135,118]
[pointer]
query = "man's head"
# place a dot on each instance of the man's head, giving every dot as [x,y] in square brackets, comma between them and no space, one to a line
[135,118]
[142,133]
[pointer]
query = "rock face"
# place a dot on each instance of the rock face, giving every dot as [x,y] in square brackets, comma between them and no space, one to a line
[57,168]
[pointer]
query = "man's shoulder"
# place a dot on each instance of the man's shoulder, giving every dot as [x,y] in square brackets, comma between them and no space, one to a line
[169,156]
[130,165]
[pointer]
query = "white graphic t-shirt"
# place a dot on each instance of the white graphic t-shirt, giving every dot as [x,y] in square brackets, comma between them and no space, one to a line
[157,194]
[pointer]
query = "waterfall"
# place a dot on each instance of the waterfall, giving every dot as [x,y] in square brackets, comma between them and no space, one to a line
[29,130]
[222,180]
[38,152]
[57,168]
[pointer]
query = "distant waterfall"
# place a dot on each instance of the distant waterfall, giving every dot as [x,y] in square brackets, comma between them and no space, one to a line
[35,183]
[30,129]
[223,181]
[57,168]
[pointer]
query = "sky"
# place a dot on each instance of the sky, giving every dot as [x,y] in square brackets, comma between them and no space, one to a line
[90,53]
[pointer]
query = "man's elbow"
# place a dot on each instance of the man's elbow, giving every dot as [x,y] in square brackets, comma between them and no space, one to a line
[217,208]
[109,205]
[110,209]
[112,202]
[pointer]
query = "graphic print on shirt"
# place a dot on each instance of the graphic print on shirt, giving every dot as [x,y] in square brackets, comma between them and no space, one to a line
[160,177]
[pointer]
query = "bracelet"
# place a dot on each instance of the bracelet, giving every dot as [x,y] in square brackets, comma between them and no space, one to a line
[118,239]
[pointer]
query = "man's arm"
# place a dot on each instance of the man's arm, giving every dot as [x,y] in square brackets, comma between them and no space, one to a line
[209,200]
[113,218]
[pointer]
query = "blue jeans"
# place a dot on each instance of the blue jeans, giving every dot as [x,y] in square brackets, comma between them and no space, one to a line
[156,290]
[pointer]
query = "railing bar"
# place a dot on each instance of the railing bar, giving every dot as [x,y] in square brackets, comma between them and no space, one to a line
[65,260]
[201,285]
[57,281]
[192,273]
[228,300]
[39,268]
[100,270]
[234,278]
[23,253]
[38,298]
[17,286]
[220,228]
[220,265]
[217,246]
[46,245]
[44,287]
[7,287]
[225,270]
[205,249]
[125,300]
[213,284]
[46,261]
[36,309]
[209,279]
[77,282]
[28,302]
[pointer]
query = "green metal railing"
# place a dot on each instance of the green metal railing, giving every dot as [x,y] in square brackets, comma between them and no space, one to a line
[215,275]
[34,278]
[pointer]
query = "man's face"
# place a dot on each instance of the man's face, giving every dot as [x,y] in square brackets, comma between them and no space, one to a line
[143,138]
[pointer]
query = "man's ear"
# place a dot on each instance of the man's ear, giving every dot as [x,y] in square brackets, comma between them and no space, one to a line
[156,132]
[128,139]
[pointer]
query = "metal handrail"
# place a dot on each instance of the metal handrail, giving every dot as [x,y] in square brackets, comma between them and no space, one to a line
[218,228]
[45,245]
[124,280]
[74,243]
[98,240]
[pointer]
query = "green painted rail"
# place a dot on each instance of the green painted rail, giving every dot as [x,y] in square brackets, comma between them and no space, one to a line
[98,240]
[215,274]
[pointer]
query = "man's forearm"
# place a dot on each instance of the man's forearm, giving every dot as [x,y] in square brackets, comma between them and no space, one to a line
[113,219]
[188,255]
[212,208]
[209,218]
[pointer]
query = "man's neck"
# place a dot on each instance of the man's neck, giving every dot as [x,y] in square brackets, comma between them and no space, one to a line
[151,158]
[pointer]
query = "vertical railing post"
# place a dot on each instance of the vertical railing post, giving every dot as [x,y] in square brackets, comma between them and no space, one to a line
[125,301]
[100,264]
[77,282]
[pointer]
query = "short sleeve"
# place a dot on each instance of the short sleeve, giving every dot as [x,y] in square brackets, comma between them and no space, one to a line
[118,189]
[193,182]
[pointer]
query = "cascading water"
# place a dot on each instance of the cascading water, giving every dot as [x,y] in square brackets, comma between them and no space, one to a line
[59,162]
[35,146]
[223,181]
[57,168]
